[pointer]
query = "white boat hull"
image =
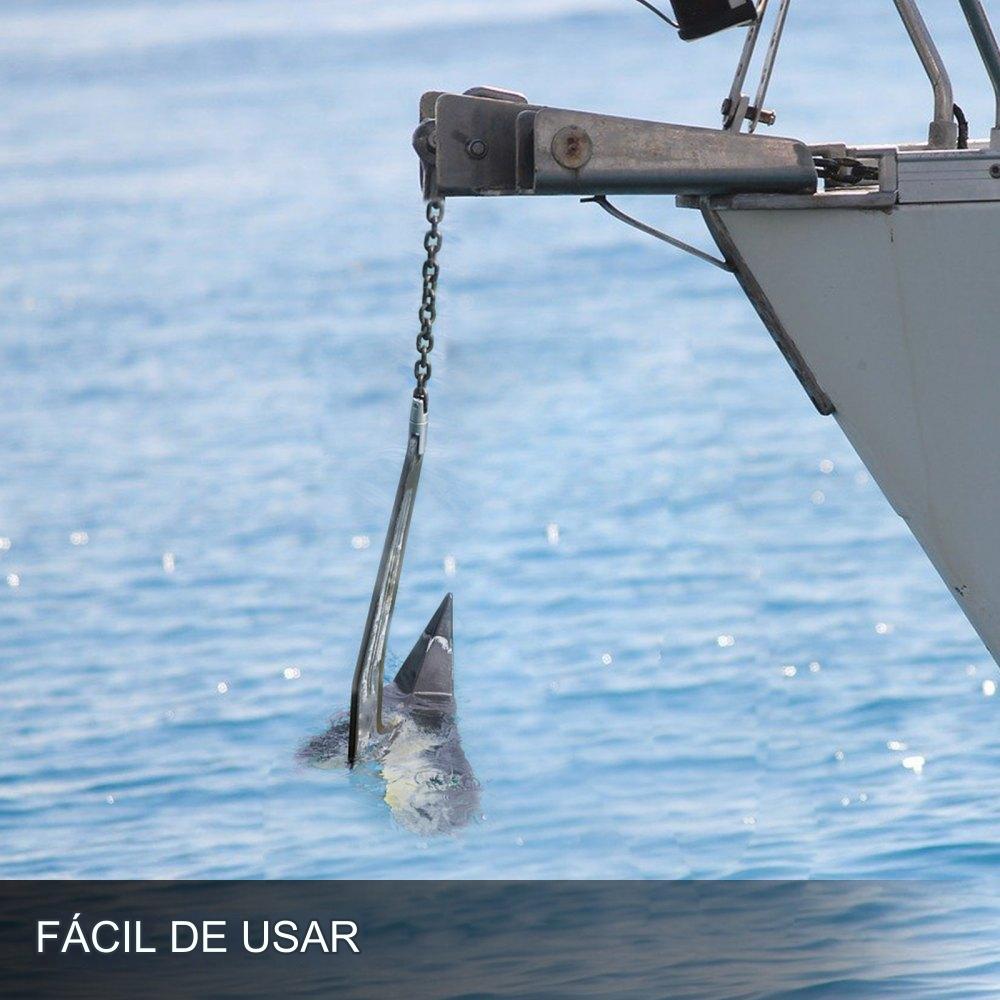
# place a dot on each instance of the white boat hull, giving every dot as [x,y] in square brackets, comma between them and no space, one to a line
[895,314]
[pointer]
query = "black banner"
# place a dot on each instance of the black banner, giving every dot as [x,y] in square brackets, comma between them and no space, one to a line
[674,940]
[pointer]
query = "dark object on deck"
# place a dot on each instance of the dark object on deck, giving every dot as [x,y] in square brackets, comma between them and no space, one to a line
[698,18]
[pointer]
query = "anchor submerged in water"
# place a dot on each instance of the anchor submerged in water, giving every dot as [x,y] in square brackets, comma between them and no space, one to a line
[408,726]
[366,721]
[410,731]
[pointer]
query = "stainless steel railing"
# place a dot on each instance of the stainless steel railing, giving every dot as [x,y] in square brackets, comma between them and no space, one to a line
[986,42]
[943,132]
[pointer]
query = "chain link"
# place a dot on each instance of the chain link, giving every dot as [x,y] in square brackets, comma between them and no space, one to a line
[428,304]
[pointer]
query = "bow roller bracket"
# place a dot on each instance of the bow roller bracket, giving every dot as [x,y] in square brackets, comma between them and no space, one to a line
[493,142]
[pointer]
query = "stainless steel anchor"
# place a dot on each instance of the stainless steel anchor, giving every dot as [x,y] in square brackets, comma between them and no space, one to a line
[366,720]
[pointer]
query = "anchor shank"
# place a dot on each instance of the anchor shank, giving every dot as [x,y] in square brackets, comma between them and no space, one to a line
[366,689]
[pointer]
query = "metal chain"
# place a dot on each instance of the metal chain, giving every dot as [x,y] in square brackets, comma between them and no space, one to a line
[428,305]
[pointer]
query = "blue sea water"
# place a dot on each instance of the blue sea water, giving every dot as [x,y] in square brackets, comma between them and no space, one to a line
[692,639]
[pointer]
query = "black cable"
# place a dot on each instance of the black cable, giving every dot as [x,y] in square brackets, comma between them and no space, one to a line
[658,13]
[963,128]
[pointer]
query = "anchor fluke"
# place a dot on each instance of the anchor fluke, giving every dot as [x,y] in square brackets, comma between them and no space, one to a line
[429,669]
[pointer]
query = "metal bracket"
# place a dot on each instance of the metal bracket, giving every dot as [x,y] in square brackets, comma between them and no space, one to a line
[736,108]
[467,141]
[479,143]
[759,114]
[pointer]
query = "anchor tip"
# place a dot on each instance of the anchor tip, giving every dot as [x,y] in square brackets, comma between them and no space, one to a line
[428,669]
